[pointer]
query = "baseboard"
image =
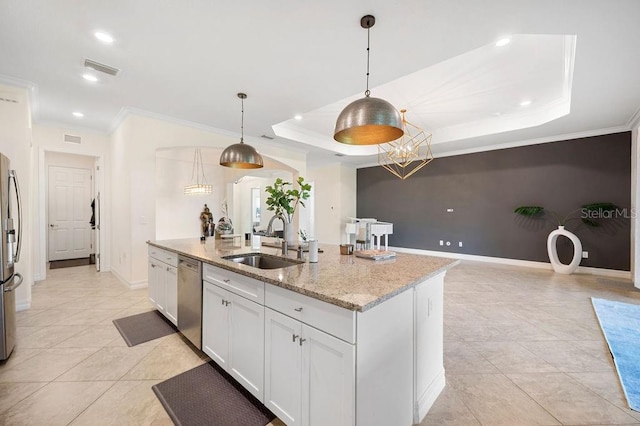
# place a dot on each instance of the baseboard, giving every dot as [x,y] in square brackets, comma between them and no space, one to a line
[425,401]
[23,306]
[614,273]
[133,285]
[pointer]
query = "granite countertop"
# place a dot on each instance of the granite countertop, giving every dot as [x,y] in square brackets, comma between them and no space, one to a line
[343,280]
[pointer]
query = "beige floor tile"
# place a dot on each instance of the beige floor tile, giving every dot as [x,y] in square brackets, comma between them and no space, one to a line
[12,393]
[494,400]
[126,403]
[461,358]
[568,401]
[511,357]
[96,336]
[18,355]
[89,316]
[47,337]
[46,365]
[105,364]
[566,357]
[607,385]
[54,404]
[449,410]
[163,362]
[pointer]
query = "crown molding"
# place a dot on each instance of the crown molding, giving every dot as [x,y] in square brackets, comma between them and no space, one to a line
[32,92]
[634,121]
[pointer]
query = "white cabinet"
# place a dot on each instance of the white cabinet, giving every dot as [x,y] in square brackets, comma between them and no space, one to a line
[163,282]
[309,374]
[233,335]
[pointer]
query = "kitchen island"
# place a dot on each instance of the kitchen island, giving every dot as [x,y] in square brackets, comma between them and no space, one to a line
[343,341]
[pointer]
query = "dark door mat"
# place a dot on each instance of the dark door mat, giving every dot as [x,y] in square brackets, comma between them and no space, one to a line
[143,327]
[207,395]
[57,264]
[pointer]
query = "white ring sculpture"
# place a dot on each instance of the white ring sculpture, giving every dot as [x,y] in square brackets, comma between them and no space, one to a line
[552,249]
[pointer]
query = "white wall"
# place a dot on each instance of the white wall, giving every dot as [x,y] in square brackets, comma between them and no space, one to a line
[335,200]
[133,165]
[48,143]
[15,143]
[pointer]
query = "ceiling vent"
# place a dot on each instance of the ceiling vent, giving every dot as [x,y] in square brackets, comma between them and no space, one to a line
[97,66]
[72,138]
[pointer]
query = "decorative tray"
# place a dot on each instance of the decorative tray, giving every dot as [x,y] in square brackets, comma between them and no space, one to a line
[375,254]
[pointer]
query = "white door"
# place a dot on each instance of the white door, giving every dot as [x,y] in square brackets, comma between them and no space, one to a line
[282,361]
[328,379]
[69,213]
[215,324]
[246,344]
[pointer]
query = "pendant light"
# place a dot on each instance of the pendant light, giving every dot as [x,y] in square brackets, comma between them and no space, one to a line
[241,155]
[368,121]
[407,155]
[199,187]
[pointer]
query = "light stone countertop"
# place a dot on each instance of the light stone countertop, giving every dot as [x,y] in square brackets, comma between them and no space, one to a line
[342,280]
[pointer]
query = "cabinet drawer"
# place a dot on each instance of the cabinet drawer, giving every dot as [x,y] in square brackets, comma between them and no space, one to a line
[165,256]
[246,287]
[324,316]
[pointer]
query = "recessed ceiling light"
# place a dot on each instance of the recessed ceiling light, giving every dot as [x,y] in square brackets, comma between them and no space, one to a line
[525,103]
[103,37]
[503,42]
[78,114]
[298,117]
[90,77]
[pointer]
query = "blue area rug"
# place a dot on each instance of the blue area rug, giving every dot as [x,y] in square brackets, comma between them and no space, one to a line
[620,323]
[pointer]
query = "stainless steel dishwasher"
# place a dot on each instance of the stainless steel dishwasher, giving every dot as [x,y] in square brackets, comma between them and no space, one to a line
[190,299]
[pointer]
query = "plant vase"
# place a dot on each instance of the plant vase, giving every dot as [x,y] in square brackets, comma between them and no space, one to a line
[552,250]
[289,233]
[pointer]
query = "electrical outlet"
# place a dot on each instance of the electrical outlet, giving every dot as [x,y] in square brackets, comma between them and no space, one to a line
[441,242]
[585,254]
[459,243]
[448,243]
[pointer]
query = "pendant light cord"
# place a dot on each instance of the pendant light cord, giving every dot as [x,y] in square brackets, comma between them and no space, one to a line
[367,92]
[242,122]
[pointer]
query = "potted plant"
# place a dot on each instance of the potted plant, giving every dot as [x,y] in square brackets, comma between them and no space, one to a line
[589,213]
[284,199]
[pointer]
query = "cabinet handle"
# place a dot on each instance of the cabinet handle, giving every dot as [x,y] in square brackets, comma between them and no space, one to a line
[302,340]
[226,303]
[168,269]
[294,337]
[227,281]
[153,266]
[222,301]
[298,309]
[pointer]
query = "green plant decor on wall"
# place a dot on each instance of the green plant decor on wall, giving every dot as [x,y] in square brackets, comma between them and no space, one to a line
[588,213]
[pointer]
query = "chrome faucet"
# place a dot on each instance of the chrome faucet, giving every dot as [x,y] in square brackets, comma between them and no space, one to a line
[270,226]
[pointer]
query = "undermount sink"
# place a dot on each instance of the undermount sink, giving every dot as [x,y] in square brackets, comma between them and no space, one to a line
[262,261]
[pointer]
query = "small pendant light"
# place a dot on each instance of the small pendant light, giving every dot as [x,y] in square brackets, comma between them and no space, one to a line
[241,155]
[368,121]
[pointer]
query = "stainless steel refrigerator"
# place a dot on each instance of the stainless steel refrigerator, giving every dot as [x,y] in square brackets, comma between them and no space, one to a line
[10,231]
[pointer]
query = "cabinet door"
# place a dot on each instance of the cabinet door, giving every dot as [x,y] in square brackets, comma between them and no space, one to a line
[328,379]
[215,324]
[246,344]
[282,367]
[171,292]
[156,284]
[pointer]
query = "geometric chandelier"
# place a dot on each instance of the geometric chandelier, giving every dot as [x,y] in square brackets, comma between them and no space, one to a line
[199,187]
[403,156]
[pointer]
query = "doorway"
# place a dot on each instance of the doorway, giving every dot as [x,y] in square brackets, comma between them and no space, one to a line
[69,201]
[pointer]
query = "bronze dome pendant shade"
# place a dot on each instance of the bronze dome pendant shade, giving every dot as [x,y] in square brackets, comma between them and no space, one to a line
[368,121]
[241,155]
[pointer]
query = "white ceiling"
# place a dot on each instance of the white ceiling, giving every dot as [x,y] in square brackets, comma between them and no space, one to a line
[187,60]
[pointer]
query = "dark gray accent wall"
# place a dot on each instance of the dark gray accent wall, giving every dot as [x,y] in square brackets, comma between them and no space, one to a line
[484,188]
